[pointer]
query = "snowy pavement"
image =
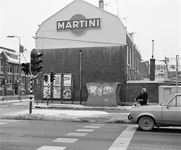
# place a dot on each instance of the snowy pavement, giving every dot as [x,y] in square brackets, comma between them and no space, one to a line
[68,112]
[73,115]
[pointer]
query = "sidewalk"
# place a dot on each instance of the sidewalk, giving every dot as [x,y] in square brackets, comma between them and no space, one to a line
[63,106]
[70,112]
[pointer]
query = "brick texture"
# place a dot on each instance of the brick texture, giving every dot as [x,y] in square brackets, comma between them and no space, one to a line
[132,90]
[99,64]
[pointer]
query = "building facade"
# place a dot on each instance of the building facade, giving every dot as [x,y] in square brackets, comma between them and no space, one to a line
[85,44]
[167,69]
[9,73]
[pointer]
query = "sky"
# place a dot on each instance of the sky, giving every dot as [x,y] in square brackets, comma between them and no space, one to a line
[158,20]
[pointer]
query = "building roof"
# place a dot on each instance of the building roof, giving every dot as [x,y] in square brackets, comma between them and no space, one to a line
[7,49]
[10,55]
[83,2]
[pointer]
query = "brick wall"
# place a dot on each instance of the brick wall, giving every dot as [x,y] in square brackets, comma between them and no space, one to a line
[99,64]
[132,90]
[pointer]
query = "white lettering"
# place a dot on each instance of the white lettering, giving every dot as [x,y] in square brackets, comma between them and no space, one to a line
[86,23]
[98,23]
[92,23]
[68,25]
[60,25]
[75,24]
[81,23]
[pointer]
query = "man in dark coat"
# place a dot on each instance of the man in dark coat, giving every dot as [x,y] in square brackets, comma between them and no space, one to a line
[142,98]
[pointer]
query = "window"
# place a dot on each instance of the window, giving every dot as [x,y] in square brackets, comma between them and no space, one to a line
[1,65]
[1,82]
[9,79]
[179,101]
[172,103]
[10,68]
[15,78]
[16,69]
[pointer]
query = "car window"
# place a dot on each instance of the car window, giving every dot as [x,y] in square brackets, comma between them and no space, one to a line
[173,102]
[166,102]
[179,101]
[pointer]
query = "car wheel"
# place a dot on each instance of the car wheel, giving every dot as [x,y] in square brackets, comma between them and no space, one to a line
[146,123]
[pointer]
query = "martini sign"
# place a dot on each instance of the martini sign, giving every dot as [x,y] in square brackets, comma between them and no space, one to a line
[78,24]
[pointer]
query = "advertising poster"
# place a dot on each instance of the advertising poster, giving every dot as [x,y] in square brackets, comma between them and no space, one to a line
[67,93]
[45,91]
[67,79]
[57,81]
[56,92]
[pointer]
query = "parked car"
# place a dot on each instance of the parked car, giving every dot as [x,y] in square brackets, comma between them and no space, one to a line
[168,113]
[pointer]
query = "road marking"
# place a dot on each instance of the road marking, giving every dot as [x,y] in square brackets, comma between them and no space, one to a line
[95,127]
[124,138]
[76,134]
[2,122]
[84,130]
[65,140]
[97,124]
[51,148]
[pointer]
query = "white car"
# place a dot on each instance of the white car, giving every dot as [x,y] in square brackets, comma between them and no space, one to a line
[168,113]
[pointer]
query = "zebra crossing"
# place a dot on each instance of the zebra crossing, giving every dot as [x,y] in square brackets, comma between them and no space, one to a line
[72,137]
[5,121]
[122,141]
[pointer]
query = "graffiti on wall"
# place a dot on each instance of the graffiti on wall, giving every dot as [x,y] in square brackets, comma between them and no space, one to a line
[101,89]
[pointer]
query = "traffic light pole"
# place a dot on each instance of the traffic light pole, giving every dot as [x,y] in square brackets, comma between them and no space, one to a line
[48,94]
[3,89]
[31,94]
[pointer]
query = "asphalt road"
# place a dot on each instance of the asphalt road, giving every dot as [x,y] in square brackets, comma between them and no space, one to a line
[55,135]
[168,138]
[47,135]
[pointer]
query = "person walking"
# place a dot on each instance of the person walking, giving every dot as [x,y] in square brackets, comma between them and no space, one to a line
[142,98]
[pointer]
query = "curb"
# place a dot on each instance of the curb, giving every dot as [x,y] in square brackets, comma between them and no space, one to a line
[81,108]
[14,101]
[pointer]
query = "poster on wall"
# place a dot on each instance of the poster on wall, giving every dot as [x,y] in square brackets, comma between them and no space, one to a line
[57,81]
[56,92]
[67,80]
[67,93]
[46,91]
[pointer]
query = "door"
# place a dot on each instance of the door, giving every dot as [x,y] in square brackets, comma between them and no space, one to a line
[172,112]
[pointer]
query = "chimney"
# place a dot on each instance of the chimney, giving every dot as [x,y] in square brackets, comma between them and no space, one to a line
[152,64]
[152,69]
[101,4]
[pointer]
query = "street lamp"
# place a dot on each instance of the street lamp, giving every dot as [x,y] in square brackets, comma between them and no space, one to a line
[19,77]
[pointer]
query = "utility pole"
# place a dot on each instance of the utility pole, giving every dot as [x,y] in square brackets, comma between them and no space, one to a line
[177,57]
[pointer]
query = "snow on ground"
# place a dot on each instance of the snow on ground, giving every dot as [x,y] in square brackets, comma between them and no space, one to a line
[63,113]
[81,113]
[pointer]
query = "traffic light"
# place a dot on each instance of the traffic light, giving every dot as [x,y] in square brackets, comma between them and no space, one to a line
[2,82]
[46,78]
[52,76]
[36,62]
[25,67]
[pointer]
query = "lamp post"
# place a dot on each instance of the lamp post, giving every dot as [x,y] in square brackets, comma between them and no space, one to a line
[19,77]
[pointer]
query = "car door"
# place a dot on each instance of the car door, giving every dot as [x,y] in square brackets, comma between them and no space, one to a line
[171,112]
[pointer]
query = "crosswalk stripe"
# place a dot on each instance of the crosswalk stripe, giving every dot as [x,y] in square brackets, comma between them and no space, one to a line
[2,122]
[76,134]
[97,124]
[65,140]
[95,127]
[84,130]
[124,138]
[51,148]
